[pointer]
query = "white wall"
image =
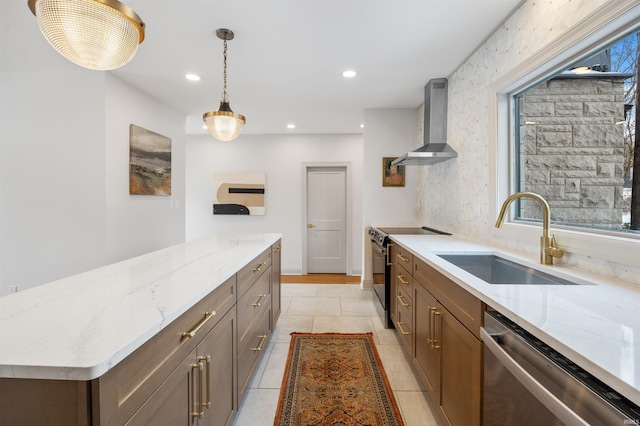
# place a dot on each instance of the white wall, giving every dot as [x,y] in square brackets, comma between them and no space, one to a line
[64,134]
[389,133]
[139,224]
[281,157]
[51,158]
[52,176]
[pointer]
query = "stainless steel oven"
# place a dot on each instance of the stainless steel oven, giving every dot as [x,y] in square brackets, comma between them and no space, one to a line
[528,383]
[381,264]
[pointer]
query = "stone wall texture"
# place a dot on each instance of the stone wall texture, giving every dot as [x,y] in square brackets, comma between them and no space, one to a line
[572,150]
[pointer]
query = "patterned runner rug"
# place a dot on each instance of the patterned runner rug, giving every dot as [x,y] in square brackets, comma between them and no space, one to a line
[335,379]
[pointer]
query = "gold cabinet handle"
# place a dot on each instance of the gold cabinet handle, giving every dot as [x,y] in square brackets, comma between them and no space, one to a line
[199,406]
[259,267]
[310,225]
[402,302]
[259,302]
[277,249]
[431,329]
[401,278]
[404,333]
[263,339]
[404,259]
[207,362]
[207,317]
[434,342]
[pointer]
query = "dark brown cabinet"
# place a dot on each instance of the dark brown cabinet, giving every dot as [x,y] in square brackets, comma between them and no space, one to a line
[439,324]
[393,286]
[276,273]
[402,294]
[448,351]
[201,390]
[427,353]
[461,372]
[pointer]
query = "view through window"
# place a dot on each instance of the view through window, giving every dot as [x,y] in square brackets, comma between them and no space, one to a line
[575,140]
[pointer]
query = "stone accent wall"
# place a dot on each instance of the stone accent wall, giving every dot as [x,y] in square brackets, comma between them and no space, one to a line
[571,150]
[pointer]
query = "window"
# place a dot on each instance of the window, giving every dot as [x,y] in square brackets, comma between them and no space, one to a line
[574,144]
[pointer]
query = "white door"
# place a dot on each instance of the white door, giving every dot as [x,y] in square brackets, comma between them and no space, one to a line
[326,220]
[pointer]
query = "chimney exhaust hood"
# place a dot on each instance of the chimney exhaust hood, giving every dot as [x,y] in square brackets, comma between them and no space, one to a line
[435,148]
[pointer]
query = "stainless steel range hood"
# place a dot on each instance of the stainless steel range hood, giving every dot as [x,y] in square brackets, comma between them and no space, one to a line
[435,148]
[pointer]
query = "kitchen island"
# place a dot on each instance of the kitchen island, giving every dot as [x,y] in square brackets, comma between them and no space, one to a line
[143,316]
[595,324]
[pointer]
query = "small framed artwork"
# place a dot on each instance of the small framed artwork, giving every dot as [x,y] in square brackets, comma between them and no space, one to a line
[392,175]
[149,162]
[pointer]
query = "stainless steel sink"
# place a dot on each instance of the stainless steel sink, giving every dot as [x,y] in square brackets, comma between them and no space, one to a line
[497,270]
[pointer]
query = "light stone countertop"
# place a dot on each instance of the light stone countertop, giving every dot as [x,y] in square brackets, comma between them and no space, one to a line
[596,324]
[79,327]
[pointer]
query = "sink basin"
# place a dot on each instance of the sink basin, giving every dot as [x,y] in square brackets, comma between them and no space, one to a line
[497,270]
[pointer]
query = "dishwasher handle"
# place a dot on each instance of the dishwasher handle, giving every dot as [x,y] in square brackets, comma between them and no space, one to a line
[549,400]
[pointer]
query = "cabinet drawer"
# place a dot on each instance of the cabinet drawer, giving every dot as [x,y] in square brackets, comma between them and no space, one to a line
[403,258]
[248,356]
[123,389]
[252,304]
[404,299]
[405,328]
[250,273]
[467,308]
[404,279]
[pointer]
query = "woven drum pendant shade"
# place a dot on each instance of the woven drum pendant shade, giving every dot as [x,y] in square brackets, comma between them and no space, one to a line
[95,34]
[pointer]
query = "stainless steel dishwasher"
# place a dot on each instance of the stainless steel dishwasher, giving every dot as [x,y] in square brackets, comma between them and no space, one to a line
[526,382]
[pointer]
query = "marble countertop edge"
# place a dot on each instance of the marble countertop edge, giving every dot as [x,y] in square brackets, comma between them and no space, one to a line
[99,344]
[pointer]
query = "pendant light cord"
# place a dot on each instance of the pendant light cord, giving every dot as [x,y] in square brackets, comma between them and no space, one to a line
[225,97]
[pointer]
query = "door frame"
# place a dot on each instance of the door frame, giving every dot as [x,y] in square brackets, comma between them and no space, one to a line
[346,165]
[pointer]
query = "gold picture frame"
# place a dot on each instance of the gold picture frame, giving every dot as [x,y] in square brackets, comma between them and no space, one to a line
[392,175]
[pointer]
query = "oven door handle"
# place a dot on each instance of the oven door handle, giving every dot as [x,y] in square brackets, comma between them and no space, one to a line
[549,400]
[387,254]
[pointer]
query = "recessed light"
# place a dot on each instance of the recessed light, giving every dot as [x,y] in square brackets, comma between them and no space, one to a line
[349,73]
[192,77]
[362,126]
[291,126]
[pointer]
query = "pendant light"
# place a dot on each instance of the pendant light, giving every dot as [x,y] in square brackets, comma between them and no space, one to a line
[224,124]
[95,34]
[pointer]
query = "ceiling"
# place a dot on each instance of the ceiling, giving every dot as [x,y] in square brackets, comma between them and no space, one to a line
[286,61]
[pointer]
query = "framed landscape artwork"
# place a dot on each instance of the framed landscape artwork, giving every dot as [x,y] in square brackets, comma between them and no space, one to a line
[149,162]
[392,175]
[238,193]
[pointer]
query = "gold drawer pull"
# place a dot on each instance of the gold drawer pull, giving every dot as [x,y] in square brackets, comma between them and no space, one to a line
[431,328]
[263,339]
[402,302]
[259,267]
[404,333]
[434,342]
[401,278]
[277,249]
[207,360]
[404,259]
[207,317]
[199,405]
[259,302]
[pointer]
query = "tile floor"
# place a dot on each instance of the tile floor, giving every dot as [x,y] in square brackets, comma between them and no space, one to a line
[341,308]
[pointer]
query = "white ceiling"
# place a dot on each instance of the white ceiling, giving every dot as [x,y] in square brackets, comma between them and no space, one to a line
[285,63]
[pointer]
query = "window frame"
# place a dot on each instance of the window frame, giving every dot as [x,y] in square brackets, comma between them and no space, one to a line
[591,35]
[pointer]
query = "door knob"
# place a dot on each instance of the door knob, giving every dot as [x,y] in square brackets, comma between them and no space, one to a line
[310,225]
